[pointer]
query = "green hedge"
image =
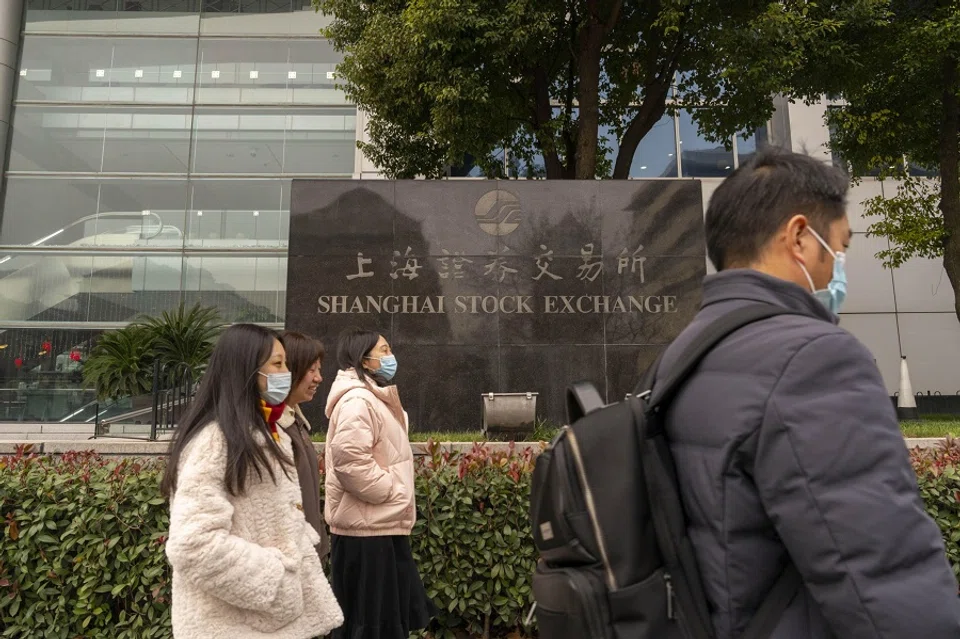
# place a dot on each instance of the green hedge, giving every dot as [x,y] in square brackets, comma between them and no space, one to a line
[82,550]
[81,554]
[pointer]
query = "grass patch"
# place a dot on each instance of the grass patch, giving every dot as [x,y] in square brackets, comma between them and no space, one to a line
[467,437]
[932,428]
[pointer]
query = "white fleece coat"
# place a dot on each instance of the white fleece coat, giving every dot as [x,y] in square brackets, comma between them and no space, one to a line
[243,567]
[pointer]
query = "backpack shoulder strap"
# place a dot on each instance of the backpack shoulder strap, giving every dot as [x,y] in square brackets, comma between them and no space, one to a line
[768,615]
[582,399]
[665,387]
[662,390]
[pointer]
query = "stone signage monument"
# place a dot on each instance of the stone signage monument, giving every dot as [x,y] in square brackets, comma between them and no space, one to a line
[496,286]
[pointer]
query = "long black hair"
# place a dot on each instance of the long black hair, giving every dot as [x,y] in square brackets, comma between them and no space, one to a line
[353,347]
[229,395]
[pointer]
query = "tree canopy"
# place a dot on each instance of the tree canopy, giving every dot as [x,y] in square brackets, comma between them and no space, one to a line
[899,118]
[446,79]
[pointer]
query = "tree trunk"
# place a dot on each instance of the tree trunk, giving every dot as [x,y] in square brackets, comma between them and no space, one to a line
[656,92]
[588,93]
[950,174]
[543,113]
[650,112]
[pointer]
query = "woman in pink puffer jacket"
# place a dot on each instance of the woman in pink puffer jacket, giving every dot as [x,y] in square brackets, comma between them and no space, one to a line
[370,503]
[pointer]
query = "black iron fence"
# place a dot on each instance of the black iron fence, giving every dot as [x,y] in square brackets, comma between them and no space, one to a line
[154,415]
[934,403]
[170,403]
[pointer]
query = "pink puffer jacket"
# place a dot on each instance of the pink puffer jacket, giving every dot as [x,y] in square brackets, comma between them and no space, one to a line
[369,463]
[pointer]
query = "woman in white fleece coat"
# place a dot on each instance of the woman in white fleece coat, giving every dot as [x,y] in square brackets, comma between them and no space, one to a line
[244,564]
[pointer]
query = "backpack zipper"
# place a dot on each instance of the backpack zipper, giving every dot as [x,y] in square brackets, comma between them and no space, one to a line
[669,584]
[591,508]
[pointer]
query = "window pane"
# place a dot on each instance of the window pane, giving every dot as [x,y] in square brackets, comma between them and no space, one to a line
[88,212]
[273,141]
[161,203]
[232,213]
[105,70]
[147,140]
[82,288]
[113,16]
[746,146]
[243,288]
[684,85]
[922,171]
[47,386]
[238,141]
[321,143]
[251,6]
[57,139]
[261,17]
[656,154]
[267,72]
[92,139]
[65,16]
[701,158]
[838,160]
[36,208]
[314,63]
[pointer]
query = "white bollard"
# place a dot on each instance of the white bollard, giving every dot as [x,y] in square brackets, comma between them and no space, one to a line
[906,402]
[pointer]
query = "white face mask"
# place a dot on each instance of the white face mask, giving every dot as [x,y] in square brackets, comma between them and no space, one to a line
[278,387]
[836,292]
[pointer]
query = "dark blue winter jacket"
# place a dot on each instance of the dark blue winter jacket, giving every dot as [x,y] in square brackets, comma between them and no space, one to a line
[788,449]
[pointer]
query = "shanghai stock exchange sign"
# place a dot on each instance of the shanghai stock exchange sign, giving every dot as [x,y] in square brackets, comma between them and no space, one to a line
[487,286]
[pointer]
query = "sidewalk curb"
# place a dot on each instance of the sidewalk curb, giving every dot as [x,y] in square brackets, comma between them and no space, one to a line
[142,448]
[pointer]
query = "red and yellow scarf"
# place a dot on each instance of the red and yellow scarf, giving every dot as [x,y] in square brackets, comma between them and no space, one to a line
[271,414]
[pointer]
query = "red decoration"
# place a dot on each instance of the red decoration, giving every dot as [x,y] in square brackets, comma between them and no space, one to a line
[45,347]
[18,362]
[75,355]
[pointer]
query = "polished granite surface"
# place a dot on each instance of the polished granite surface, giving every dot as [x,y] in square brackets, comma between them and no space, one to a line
[497,286]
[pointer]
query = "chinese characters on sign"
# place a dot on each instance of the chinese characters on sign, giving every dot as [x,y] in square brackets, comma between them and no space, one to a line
[498,268]
[451,265]
[592,267]
[543,263]
[458,261]
[361,263]
[631,261]
[409,270]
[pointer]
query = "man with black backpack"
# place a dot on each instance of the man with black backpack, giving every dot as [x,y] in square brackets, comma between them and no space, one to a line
[757,486]
[786,444]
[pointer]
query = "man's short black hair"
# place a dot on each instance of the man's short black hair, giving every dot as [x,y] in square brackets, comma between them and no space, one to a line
[751,205]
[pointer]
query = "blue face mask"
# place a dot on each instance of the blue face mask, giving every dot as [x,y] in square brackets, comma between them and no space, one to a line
[388,367]
[278,387]
[836,292]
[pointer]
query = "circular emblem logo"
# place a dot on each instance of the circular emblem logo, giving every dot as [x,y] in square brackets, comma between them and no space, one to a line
[498,213]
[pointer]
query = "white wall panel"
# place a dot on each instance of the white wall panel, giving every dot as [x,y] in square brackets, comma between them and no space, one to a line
[867,189]
[922,286]
[869,284]
[878,332]
[931,343]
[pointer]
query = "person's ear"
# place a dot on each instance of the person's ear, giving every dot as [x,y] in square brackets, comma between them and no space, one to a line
[796,233]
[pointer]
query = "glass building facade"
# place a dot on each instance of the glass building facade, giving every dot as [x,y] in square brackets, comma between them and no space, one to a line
[151,146]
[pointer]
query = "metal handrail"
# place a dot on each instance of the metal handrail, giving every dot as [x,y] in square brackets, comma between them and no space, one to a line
[136,251]
[124,416]
[96,216]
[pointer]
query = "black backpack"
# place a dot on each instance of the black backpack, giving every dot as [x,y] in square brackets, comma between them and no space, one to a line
[616,561]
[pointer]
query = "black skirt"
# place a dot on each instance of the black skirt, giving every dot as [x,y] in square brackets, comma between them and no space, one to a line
[378,586]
